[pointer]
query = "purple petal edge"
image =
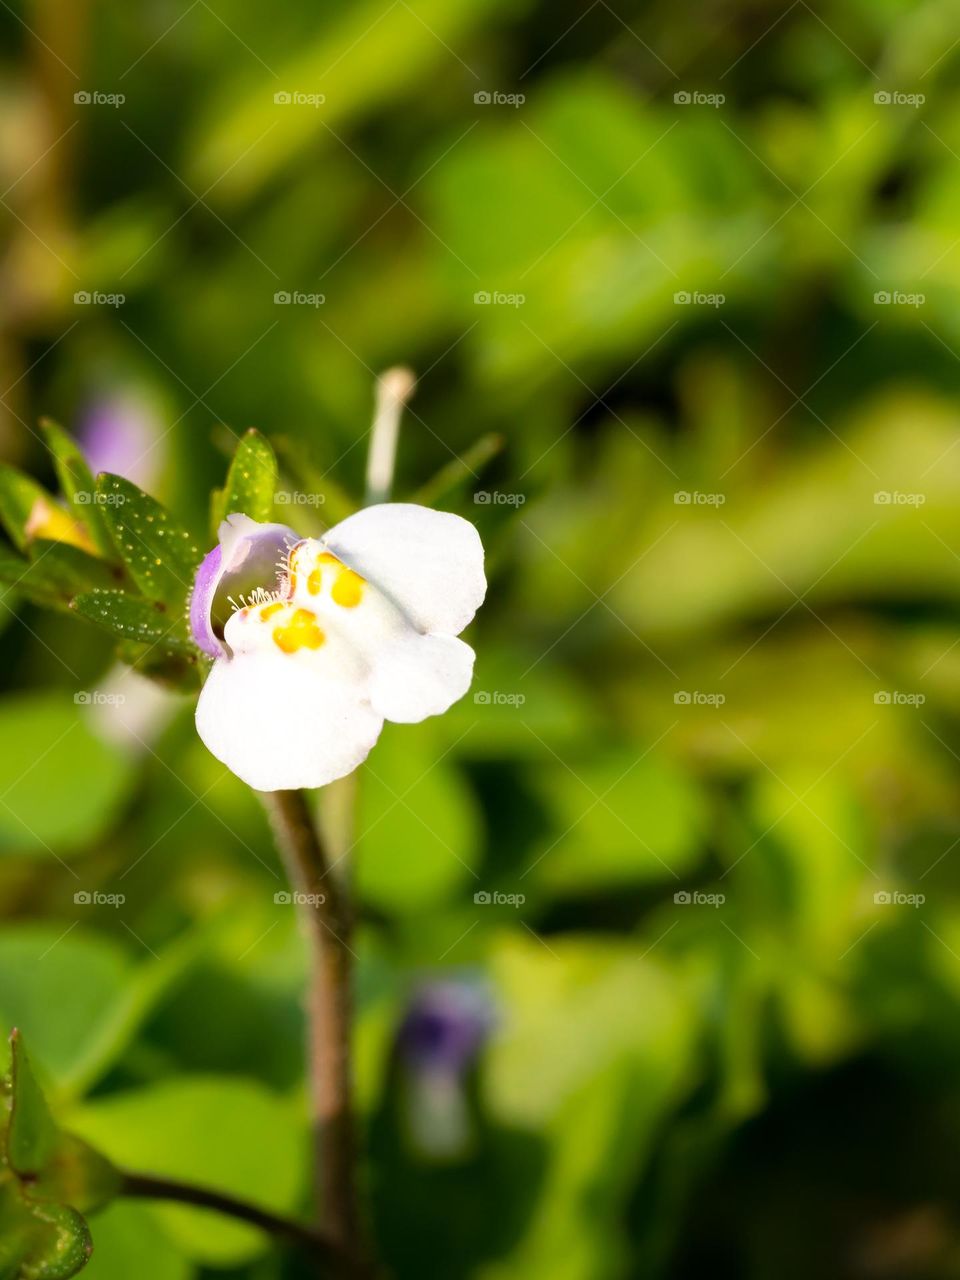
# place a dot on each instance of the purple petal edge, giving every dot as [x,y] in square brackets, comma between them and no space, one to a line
[201,603]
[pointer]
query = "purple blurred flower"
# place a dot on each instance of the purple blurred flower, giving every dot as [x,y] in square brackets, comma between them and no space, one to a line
[446,1026]
[121,433]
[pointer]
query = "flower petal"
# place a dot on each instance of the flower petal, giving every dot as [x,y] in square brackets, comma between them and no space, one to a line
[429,563]
[201,602]
[289,708]
[246,556]
[419,676]
[412,675]
[279,723]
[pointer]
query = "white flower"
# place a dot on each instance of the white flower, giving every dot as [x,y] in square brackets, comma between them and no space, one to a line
[329,637]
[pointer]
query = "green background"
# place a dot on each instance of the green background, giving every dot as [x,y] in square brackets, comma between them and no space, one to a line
[752,694]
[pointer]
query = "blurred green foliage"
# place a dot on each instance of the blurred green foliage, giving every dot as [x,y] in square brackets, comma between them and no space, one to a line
[757,1079]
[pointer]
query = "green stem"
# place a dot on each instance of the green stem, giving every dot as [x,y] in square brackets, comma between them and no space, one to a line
[326,917]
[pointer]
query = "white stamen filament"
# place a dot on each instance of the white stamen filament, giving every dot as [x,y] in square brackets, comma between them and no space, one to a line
[258,596]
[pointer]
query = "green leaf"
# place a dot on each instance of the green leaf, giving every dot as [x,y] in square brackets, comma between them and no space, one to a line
[414,799]
[52,1165]
[77,484]
[55,573]
[19,496]
[39,1241]
[133,618]
[132,1245]
[215,1131]
[251,482]
[79,997]
[62,987]
[44,1175]
[30,581]
[160,554]
[621,821]
[12,566]
[74,785]
[70,569]
[31,1135]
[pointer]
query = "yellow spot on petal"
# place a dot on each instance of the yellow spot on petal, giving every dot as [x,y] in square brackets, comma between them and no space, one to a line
[300,632]
[268,610]
[348,589]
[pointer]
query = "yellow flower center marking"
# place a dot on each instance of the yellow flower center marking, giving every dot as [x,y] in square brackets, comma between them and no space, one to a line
[348,589]
[300,631]
[268,610]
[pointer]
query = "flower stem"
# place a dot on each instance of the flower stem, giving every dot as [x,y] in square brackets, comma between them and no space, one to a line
[326,916]
[394,389]
[326,913]
[145,1186]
